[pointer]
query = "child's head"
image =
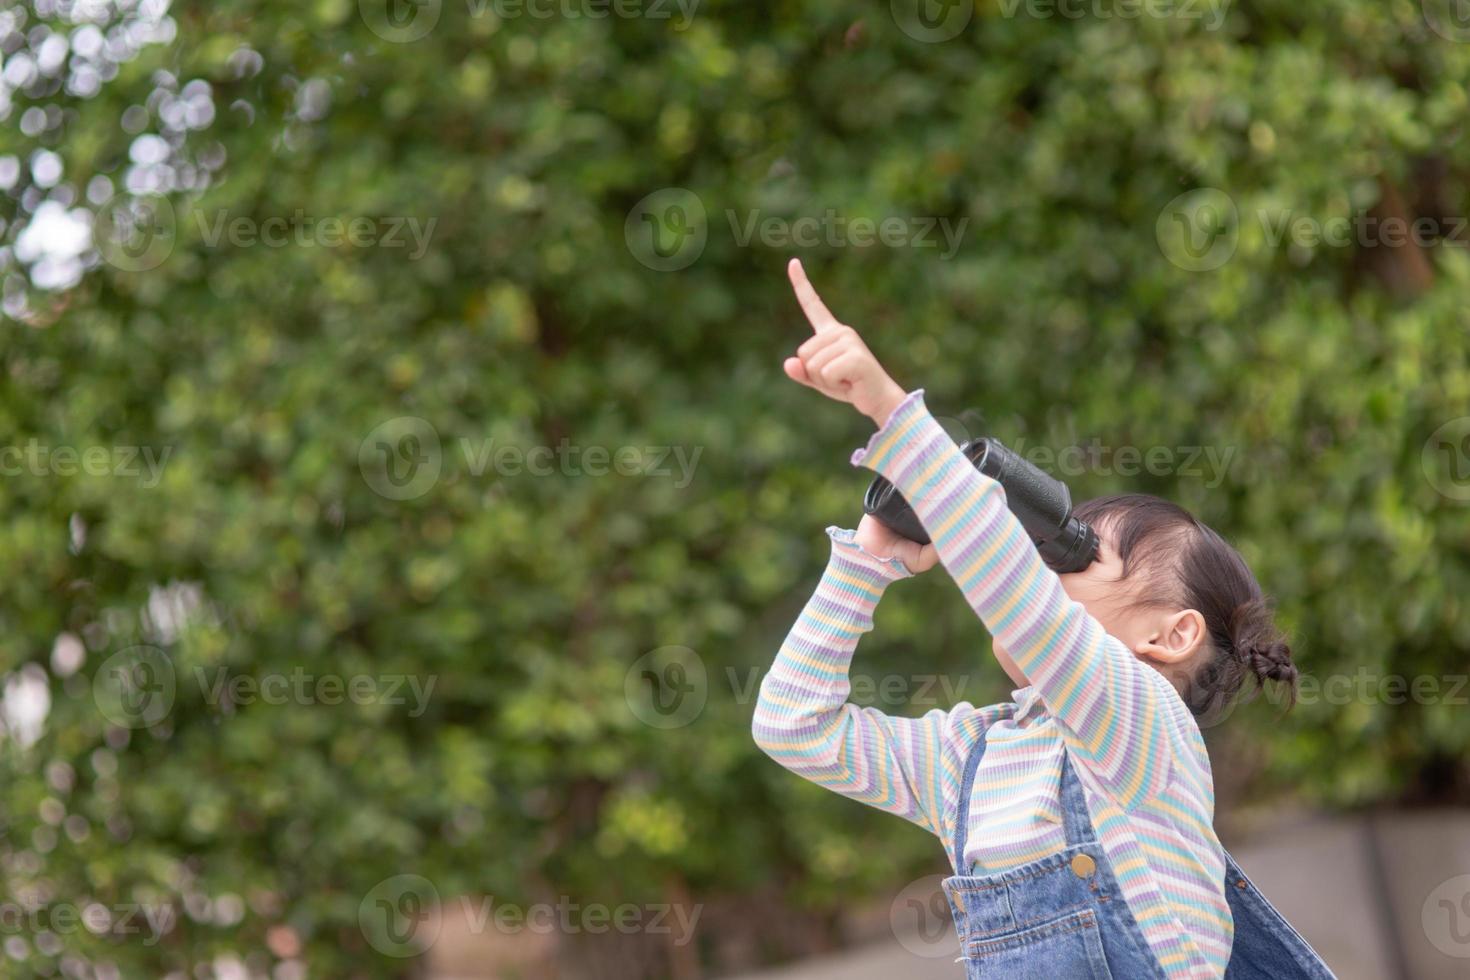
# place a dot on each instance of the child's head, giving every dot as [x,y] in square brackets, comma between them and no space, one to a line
[1180,598]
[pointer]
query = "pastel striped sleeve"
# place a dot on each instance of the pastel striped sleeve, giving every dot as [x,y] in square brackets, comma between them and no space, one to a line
[802,718]
[1115,711]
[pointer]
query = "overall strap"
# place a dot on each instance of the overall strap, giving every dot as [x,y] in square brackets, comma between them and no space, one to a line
[1266,947]
[962,804]
[1076,821]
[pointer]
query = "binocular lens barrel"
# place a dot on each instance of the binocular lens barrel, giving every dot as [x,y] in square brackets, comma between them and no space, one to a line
[1042,504]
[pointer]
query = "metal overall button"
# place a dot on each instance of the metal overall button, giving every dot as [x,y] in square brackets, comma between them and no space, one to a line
[1083,866]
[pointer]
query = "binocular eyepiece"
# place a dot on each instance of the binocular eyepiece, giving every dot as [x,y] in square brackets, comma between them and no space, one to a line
[1042,504]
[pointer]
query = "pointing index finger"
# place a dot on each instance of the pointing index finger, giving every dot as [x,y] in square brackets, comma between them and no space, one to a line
[816,311]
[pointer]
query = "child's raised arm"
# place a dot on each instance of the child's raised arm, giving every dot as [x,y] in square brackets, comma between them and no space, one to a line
[804,721]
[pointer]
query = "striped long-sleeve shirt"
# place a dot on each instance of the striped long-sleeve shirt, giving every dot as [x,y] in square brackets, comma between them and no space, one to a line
[1135,746]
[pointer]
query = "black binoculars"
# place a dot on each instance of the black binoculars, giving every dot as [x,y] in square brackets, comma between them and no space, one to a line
[1042,504]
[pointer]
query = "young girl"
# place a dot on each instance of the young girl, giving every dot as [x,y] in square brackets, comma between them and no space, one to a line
[1078,815]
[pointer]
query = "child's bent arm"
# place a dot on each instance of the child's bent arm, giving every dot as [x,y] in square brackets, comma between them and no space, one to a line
[1117,711]
[803,720]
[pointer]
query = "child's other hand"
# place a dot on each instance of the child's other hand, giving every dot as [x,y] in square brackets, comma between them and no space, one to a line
[877,540]
[836,362]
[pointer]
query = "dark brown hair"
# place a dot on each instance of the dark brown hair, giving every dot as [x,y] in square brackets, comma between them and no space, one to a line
[1186,564]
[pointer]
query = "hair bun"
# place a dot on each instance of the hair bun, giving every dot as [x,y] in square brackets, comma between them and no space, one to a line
[1272,661]
[1260,645]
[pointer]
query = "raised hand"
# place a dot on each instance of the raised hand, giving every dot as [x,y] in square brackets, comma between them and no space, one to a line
[835,361]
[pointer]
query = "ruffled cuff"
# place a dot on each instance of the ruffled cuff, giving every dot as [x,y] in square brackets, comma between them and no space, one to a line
[914,453]
[845,546]
[908,414]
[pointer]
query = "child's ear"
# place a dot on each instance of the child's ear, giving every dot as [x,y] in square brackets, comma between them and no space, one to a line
[1174,637]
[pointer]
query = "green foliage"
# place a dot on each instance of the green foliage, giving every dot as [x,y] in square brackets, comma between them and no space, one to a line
[528,320]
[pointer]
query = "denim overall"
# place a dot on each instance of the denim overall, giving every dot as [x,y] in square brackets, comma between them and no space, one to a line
[1064,917]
